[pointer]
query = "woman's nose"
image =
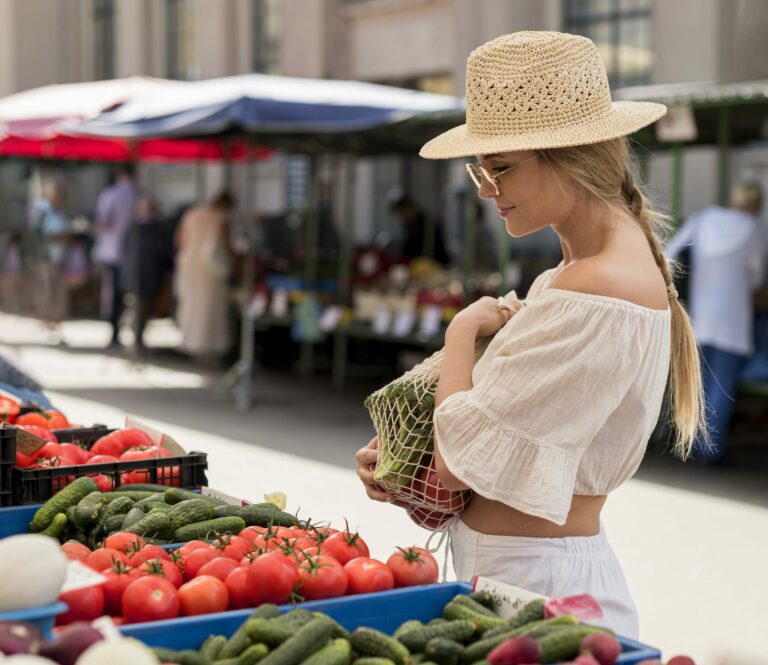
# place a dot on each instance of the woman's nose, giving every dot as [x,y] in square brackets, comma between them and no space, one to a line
[487,190]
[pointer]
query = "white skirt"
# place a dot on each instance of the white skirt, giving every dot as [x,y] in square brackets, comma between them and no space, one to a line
[553,567]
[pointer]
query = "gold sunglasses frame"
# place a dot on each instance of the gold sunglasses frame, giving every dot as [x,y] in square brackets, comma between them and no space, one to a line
[490,177]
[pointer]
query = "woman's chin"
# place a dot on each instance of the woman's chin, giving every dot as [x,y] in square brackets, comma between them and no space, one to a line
[515,228]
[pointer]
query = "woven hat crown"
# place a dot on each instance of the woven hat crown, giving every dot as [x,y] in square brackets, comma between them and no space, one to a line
[535,81]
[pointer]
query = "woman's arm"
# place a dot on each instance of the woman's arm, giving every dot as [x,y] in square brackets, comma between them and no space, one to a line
[480,319]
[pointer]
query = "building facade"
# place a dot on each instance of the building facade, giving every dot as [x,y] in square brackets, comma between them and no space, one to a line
[421,44]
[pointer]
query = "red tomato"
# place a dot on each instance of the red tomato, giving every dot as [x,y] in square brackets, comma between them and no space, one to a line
[191,546]
[322,577]
[118,579]
[102,558]
[103,482]
[9,409]
[163,568]
[220,568]
[250,533]
[412,566]
[237,587]
[133,454]
[53,449]
[137,476]
[321,534]
[368,575]
[272,578]
[110,444]
[102,459]
[57,420]
[427,486]
[25,461]
[345,546]
[196,560]
[84,604]
[203,595]
[37,430]
[125,542]
[76,551]
[150,598]
[234,547]
[35,419]
[148,553]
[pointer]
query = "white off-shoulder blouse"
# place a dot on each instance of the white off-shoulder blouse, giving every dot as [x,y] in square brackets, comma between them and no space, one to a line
[563,402]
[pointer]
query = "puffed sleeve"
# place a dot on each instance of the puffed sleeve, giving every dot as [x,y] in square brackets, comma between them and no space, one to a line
[561,367]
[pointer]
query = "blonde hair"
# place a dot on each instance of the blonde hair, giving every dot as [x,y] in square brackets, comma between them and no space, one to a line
[747,195]
[606,171]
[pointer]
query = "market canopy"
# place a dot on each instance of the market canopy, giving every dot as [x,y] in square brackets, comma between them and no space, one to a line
[32,124]
[294,113]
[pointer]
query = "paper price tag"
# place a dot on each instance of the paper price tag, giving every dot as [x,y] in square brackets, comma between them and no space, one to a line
[216,494]
[26,442]
[508,599]
[80,576]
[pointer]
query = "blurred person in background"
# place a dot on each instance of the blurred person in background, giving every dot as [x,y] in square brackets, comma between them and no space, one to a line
[203,266]
[145,267]
[115,212]
[52,228]
[413,226]
[727,264]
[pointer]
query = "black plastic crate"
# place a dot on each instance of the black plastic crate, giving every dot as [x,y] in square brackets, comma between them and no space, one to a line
[38,485]
[7,464]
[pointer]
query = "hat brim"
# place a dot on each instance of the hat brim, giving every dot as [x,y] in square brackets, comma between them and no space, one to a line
[623,119]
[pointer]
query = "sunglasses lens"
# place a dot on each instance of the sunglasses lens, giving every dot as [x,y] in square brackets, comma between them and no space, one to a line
[476,174]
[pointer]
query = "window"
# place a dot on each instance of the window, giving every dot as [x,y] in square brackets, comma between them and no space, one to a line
[267,28]
[103,39]
[180,39]
[622,30]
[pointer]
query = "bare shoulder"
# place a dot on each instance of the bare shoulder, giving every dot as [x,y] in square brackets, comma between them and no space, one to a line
[607,276]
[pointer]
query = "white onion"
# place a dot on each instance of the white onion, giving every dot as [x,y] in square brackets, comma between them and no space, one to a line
[32,570]
[26,659]
[118,652]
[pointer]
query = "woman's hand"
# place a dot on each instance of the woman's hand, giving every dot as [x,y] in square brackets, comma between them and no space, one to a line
[366,465]
[484,317]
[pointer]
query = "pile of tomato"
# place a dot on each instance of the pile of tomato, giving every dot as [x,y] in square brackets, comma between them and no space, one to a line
[118,446]
[144,582]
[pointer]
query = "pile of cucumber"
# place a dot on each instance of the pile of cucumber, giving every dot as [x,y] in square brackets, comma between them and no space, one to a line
[466,633]
[160,514]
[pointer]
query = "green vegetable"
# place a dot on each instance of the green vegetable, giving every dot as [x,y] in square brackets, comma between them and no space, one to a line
[114,523]
[56,528]
[59,502]
[268,631]
[239,640]
[136,496]
[209,528]
[152,498]
[212,647]
[88,510]
[253,654]
[190,511]
[564,644]
[416,640]
[266,514]
[117,508]
[533,611]
[443,652]
[485,598]
[296,618]
[407,626]
[460,610]
[302,644]
[338,652]
[370,642]
[177,495]
[373,660]
[153,524]
[186,657]
[132,516]
[142,487]
[471,603]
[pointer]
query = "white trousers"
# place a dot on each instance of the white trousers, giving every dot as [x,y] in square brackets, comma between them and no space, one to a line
[553,567]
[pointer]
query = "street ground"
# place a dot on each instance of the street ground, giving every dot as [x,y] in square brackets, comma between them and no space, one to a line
[692,540]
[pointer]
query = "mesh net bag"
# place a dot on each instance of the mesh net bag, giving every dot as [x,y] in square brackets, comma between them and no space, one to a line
[402,417]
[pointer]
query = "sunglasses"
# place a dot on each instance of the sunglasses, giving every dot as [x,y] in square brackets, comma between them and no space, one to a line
[478,173]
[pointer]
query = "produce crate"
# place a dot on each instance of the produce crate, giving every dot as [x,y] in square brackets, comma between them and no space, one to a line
[38,485]
[384,611]
[15,520]
[41,618]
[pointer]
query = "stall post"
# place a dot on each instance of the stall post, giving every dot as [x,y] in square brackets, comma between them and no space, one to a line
[723,154]
[676,194]
[346,258]
[307,356]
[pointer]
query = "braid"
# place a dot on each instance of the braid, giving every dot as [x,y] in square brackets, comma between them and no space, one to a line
[685,392]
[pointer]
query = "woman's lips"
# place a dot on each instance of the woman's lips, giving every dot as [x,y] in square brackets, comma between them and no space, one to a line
[504,211]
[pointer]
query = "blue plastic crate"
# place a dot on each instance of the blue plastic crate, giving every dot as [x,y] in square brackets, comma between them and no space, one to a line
[40,617]
[14,521]
[384,611]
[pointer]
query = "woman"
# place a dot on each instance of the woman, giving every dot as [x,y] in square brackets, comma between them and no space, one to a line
[558,411]
[202,242]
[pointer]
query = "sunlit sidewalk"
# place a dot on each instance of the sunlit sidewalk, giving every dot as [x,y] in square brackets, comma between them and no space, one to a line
[695,563]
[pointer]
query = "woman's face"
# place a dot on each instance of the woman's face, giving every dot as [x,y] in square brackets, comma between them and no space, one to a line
[530,197]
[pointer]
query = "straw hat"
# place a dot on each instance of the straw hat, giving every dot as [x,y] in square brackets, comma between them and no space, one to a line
[536,90]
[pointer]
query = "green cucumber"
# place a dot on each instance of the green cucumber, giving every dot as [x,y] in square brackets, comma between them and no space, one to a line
[154,524]
[131,517]
[190,511]
[253,654]
[338,652]
[443,651]
[407,627]
[177,495]
[374,660]
[485,598]
[302,644]
[530,612]
[157,505]
[186,657]
[136,496]
[296,618]
[89,509]
[564,645]
[56,528]
[208,529]
[416,640]
[118,507]
[212,647]
[338,630]
[268,631]
[142,487]
[259,514]
[471,603]
[71,495]
[239,641]
[459,610]
[371,642]
[152,498]
[225,510]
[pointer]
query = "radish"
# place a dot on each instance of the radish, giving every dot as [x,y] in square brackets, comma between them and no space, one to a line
[18,637]
[604,648]
[517,651]
[70,643]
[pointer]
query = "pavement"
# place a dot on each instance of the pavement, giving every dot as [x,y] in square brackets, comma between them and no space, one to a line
[692,540]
